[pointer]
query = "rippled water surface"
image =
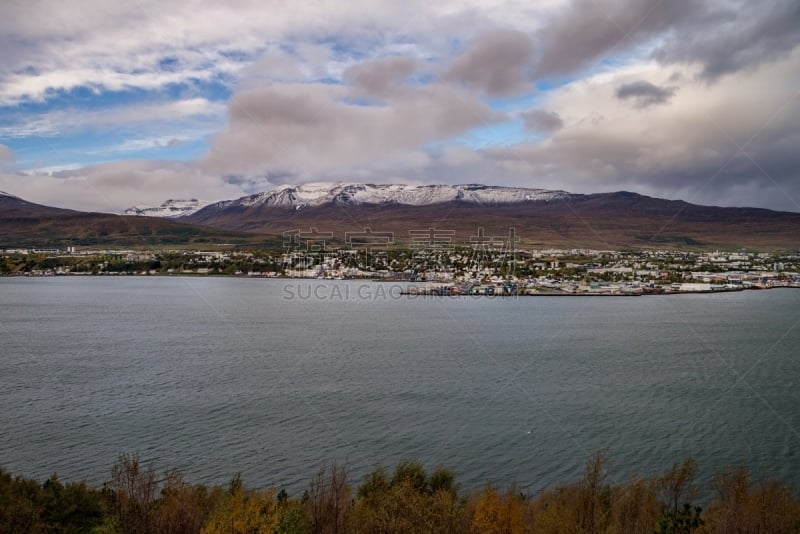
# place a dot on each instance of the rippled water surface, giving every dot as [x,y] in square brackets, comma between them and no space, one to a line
[272,378]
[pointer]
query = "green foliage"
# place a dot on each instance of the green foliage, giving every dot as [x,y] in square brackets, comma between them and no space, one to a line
[685,521]
[292,519]
[411,501]
[375,485]
[411,473]
[443,480]
[27,506]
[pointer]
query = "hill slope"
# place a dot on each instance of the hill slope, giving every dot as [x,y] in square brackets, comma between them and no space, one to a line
[540,218]
[25,224]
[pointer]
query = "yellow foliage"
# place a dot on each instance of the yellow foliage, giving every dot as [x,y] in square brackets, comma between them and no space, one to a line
[245,512]
[635,508]
[742,507]
[556,511]
[496,514]
[184,508]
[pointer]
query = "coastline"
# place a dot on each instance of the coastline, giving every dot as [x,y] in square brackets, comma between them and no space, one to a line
[441,290]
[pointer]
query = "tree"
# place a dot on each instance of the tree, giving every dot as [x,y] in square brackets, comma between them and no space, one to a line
[744,507]
[494,513]
[243,511]
[328,504]
[184,508]
[409,502]
[134,491]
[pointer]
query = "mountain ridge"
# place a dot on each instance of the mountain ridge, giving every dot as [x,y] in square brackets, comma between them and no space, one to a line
[353,193]
[541,219]
[26,224]
[168,209]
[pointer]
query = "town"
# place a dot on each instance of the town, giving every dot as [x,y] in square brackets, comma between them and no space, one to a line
[444,268]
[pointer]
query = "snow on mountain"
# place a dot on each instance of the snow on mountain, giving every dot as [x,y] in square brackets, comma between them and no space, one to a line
[317,194]
[170,208]
[4,194]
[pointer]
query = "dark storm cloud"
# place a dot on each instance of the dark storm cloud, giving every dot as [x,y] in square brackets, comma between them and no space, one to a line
[734,37]
[498,63]
[644,93]
[722,36]
[587,30]
[713,174]
[542,121]
[732,143]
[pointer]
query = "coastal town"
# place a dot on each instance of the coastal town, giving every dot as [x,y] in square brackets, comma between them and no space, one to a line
[451,270]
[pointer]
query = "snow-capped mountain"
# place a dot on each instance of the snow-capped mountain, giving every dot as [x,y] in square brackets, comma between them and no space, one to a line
[4,194]
[319,194]
[463,213]
[170,208]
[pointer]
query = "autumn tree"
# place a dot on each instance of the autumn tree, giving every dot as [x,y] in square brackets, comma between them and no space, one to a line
[184,508]
[408,501]
[243,511]
[496,513]
[134,490]
[744,507]
[328,503]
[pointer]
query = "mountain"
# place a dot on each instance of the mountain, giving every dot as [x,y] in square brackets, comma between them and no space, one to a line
[13,207]
[170,208]
[541,218]
[26,224]
[298,197]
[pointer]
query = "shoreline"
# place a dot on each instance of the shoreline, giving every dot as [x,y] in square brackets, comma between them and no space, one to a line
[433,293]
[417,291]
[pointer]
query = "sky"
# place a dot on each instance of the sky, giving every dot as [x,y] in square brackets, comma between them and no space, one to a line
[106,105]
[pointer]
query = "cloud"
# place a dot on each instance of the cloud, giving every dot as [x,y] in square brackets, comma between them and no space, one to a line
[301,63]
[721,37]
[311,129]
[273,66]
[381,77]
[458,156]
[46,49]
[726,143]
[176,113]
[584,31]
[113,187]
[542,121]
[734,36]
[644,93]
[138,144]
[6,156]
[498,63]
[396,91]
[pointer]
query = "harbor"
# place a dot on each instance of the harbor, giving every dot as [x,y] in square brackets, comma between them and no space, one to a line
[507,289]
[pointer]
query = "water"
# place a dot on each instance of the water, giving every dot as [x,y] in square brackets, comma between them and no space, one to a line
[273,378]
